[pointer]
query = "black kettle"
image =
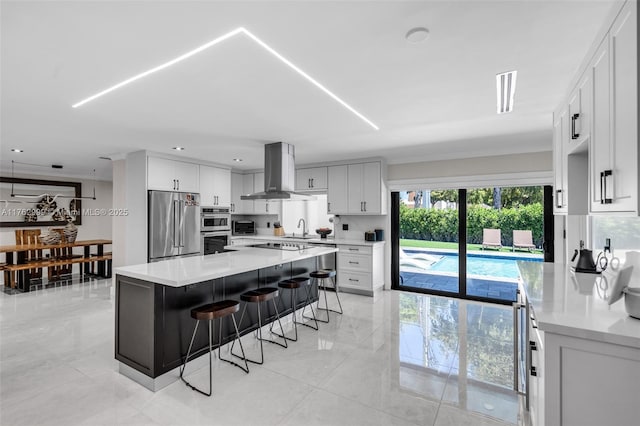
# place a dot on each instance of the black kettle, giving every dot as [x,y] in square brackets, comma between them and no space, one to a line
[586,264]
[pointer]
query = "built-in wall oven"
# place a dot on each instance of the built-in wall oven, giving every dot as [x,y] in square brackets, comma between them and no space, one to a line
[215,219]
[215,229]
[214,242]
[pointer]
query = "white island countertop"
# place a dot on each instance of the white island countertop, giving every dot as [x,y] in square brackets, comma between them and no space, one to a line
[576,304]
[190,270]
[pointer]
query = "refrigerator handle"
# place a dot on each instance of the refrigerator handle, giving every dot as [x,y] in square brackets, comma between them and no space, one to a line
[176,223]
[182,205]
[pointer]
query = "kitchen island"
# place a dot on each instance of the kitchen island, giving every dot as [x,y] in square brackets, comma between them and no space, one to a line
[583,356]
[153,323]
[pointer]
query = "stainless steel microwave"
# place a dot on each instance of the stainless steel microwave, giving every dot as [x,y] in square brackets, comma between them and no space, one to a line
[243,227]
[215,219]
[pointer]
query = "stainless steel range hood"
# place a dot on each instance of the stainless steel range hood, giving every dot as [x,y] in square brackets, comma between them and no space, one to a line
[279,174]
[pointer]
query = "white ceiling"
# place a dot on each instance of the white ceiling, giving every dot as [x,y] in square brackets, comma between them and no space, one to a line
[432,100]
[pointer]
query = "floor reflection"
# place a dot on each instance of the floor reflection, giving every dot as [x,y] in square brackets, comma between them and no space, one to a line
[471,342]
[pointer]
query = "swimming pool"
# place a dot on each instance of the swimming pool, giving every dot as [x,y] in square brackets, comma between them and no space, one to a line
[479,264]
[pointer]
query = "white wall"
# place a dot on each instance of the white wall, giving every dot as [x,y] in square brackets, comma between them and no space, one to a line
[499,164]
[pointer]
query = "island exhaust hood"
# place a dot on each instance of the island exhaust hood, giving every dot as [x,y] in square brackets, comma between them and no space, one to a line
[279,174]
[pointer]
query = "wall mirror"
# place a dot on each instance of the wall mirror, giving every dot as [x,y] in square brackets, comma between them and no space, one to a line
[35,202]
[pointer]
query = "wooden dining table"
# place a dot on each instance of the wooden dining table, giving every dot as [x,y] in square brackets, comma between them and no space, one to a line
[16,255]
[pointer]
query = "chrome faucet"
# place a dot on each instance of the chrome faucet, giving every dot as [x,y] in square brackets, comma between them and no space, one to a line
[304,227]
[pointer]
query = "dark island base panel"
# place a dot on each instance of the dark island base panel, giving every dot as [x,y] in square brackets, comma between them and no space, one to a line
[154,324]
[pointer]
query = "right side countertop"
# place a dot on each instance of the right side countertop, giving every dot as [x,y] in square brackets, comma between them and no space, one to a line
[575,304]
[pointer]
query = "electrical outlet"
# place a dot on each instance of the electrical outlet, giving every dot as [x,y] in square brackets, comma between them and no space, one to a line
[268,224]
[345,226]
[607,245]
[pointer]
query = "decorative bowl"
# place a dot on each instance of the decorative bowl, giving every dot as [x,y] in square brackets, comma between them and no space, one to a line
[323,232]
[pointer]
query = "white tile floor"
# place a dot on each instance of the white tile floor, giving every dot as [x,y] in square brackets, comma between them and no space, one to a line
[395,360]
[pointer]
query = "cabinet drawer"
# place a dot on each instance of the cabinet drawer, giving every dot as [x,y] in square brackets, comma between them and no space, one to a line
[354,262]
[355,249]
[354,279]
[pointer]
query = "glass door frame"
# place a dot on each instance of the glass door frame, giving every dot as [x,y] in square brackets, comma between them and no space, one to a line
[462,246]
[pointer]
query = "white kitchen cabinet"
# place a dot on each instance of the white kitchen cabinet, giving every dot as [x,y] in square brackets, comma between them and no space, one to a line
[171,175]
[579,371]
[236,192]
[215,186]
[623,182]
[560,162]
[264,206]
[355,189]
[580,110]
[599,156]
[360,268]
[337,192]
[311,179]
[614,145]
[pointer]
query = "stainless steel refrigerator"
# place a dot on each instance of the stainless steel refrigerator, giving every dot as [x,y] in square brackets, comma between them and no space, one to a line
[174,224]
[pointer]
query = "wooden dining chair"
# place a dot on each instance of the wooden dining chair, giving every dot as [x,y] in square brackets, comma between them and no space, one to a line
[61,253]
[28,237]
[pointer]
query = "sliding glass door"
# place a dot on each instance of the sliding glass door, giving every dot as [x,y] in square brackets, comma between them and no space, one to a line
[429,249]
[467,242]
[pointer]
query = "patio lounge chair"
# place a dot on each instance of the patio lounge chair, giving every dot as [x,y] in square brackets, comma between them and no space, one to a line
[417,260]
[491,238]
[522,240]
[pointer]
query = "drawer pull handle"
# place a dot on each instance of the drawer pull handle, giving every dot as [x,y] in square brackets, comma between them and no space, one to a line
[354,263]
[354,249]
[352,279]
[533,371]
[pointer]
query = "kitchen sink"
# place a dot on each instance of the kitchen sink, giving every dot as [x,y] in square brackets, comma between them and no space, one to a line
[300,237]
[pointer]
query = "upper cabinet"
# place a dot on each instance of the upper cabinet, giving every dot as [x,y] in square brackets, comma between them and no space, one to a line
[337,193]
[215,186]
[600,125]
[560,163]
[172,175]
[237,190]
[580,110]
[614,159]
[355,189]
[311,179]
[264,206]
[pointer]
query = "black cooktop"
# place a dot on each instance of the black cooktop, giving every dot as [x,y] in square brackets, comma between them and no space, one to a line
[281,246]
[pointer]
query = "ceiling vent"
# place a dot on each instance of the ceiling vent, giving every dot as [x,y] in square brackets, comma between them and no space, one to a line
[505,89]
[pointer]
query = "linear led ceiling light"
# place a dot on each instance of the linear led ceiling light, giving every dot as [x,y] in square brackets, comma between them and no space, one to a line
[505,89]
[215,41]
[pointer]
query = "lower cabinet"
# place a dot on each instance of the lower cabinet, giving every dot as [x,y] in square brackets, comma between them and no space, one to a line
[598,383]
[361,268]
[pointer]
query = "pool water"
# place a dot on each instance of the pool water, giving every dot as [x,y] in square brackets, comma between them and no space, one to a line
[488,266]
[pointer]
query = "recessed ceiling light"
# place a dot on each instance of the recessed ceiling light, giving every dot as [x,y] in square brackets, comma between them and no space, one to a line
[417,35]
[16,150]
[178,148]
[237,160]
[215,41]
[505,89]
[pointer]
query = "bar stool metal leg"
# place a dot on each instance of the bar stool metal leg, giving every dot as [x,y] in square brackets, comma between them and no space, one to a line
[235,325]
[313,313]
[335,286]
[184,364]
[259,333]
[295,326]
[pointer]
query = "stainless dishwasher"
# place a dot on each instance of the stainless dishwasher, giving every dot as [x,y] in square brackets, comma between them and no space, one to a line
[327,261]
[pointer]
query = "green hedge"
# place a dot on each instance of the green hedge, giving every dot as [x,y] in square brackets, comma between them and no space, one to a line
[442,225]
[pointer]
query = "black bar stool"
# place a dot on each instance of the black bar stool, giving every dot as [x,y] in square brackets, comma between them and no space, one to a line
[258,296]
[321,276]
[294,284]
[217,310]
